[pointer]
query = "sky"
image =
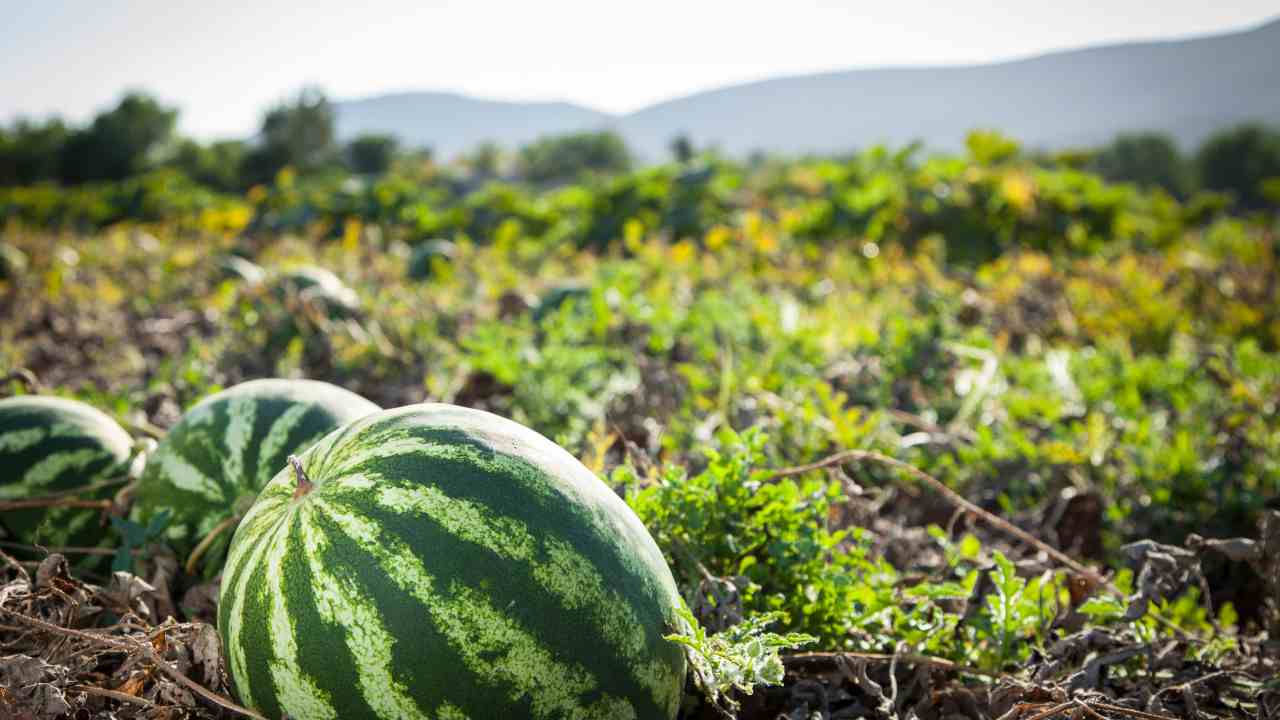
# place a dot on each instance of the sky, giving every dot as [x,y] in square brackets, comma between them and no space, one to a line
[222,64]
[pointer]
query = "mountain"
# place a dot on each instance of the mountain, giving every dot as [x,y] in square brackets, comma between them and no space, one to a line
[1187,88]
[450,123]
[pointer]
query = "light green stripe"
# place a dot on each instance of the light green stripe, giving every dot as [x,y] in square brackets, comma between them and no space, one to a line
[386,445]
[449,711]
[342,603]
[274,443]
[493,646]
[18,440]
[185,476]
[240,416]
[295,690]
[241,563]
[565,574]
[48,468]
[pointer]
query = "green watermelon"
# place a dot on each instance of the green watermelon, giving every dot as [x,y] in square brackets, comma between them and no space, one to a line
[558,295]
[427,255]
[212,463]
[437,561]
[13,262]
[236,268]
[321,287]
[51,445]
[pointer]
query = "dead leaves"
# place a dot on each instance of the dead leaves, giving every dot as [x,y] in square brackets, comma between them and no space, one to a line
[71,649]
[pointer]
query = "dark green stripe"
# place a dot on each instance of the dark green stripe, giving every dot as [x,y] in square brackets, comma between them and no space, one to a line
[422,658]
[536,500]
[511,586]
[322,649]
[255,639]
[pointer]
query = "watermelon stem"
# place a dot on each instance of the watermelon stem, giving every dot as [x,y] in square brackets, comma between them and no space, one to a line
[304,483]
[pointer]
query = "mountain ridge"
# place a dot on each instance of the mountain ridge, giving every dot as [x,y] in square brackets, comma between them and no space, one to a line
[1187,87]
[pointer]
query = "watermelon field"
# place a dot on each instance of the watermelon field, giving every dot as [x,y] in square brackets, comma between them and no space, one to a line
[883,436]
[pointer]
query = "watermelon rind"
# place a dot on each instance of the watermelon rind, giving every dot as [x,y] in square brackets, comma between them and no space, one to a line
[52,445]
[212,463]
[445,562]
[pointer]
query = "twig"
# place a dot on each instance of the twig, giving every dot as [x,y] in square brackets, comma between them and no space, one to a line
[133,645]
[1055,710]
[916,421]
[1093,576]
[955,497]
[1141,715]
[207,542]
[144,427]
[113,694]
[904,658]
[82,490]
[25,376]
[9,560]
[53,502]
[63,550]
[1090,711]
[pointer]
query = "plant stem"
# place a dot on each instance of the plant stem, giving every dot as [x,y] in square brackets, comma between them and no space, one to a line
[304,483]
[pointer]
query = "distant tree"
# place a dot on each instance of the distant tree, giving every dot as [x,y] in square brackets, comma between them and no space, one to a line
[31,152]
[299,134]
[1146,159]
[565,157]
[372,154]
[486,160]
[216,165]
[120,142]
[1238,161]
[682,149]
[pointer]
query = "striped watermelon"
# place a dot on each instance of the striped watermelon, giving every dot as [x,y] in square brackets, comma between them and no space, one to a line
[210,466]
[321,288]
[52,445]
[427,256]
[438,561]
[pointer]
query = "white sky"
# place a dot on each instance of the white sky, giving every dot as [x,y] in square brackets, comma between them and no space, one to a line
[222,63]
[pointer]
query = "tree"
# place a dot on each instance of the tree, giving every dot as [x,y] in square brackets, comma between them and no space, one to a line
[31,152]
[216,165]
[372,154]
[486,160]
[298,134]
[1145,159]
[120,142]
[1238,161]
[564,157]
[682,149]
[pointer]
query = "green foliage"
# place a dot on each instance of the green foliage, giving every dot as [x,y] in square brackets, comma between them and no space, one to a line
[135,537]
[216,165]
[1147,159]
[31,152]
[297,134]
[120,143]
[372,154]
[1239,161]
[739,658]
[566,157]
[1025,331]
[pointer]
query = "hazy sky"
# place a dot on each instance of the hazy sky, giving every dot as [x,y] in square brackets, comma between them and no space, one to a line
[222,63]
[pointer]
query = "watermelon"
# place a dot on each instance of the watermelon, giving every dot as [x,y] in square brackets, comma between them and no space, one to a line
[318,286]
[438,561]
[429,254]
[210,466]
[558,295]
[234,267]
[53,445]
[13,262]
